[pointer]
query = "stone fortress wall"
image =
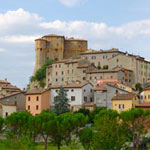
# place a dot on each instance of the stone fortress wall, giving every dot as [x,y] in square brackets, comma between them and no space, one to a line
[58,48]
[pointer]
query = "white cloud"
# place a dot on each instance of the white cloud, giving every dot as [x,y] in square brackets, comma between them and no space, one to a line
[2,49]
[18,39]
[71,3]
[19,29]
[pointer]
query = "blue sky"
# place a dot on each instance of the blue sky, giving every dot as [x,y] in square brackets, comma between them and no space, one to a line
[104,23]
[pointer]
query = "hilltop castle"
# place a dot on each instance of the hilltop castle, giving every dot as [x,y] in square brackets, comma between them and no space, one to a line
[57,47]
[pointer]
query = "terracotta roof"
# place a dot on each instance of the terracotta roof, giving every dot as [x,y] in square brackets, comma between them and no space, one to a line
[100,88]
[148,88]
[4,81]
[73,61]
[10,94]
[101,51]
[36,91]
[104,71]
[89,104]
[145,105]
[123,96]
[7,104]
[61,61]
[70,85]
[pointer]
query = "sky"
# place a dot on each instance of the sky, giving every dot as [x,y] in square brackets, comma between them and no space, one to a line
[104,23]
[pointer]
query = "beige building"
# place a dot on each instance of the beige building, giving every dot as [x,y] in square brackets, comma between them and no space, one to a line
[7,109]
[7,88]
[37,100]
[115,58]
[17,99]
[100,58]
[123,102]
[125,76]
[68,71]
[145,95]
[57,47]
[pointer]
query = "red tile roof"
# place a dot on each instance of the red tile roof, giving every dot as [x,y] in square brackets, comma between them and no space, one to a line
[143,105]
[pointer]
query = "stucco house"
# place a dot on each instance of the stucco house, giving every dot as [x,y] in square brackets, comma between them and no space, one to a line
[7,109]
[37,100]
[123,102]
[104,93]
[80,94]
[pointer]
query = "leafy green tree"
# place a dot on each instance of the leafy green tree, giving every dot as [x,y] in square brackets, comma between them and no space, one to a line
[136,120]
[44,124]
[138,87]
[86,136]
[17,123]
[84,111]
[79,121]
[109,131]
[41,73]
[61,102]
[95,112]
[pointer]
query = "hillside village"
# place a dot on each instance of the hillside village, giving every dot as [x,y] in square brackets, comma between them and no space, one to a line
[91,78]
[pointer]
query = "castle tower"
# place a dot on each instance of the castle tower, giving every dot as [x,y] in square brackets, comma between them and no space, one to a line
[74,47]
[57,47]
[40,53]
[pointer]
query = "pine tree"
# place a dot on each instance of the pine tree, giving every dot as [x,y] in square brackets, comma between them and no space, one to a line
[61,102]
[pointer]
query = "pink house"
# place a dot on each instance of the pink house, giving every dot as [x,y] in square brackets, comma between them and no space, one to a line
[37,100]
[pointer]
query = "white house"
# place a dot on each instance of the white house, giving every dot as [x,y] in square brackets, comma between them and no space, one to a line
[80,94]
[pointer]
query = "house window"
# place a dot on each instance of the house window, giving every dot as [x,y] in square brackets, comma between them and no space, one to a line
[121,106]
[40,49]
[72,98]
[68,71]
[56,80]
[28,107]
[117,60]
[72,90]
[56,90]
[62,72]
[59,65]
[84,71]
[91,99]
[56,73]
[85,98]
[37,107]
[91,90]
[84,78]
[62,79]
[29,98]
[55,66]
[37,98]
[84,90]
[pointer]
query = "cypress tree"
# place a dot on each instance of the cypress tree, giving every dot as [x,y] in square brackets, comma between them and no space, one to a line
[61,102]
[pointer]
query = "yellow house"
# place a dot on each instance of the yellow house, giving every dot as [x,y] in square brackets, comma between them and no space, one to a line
[146,95]
[122,102]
